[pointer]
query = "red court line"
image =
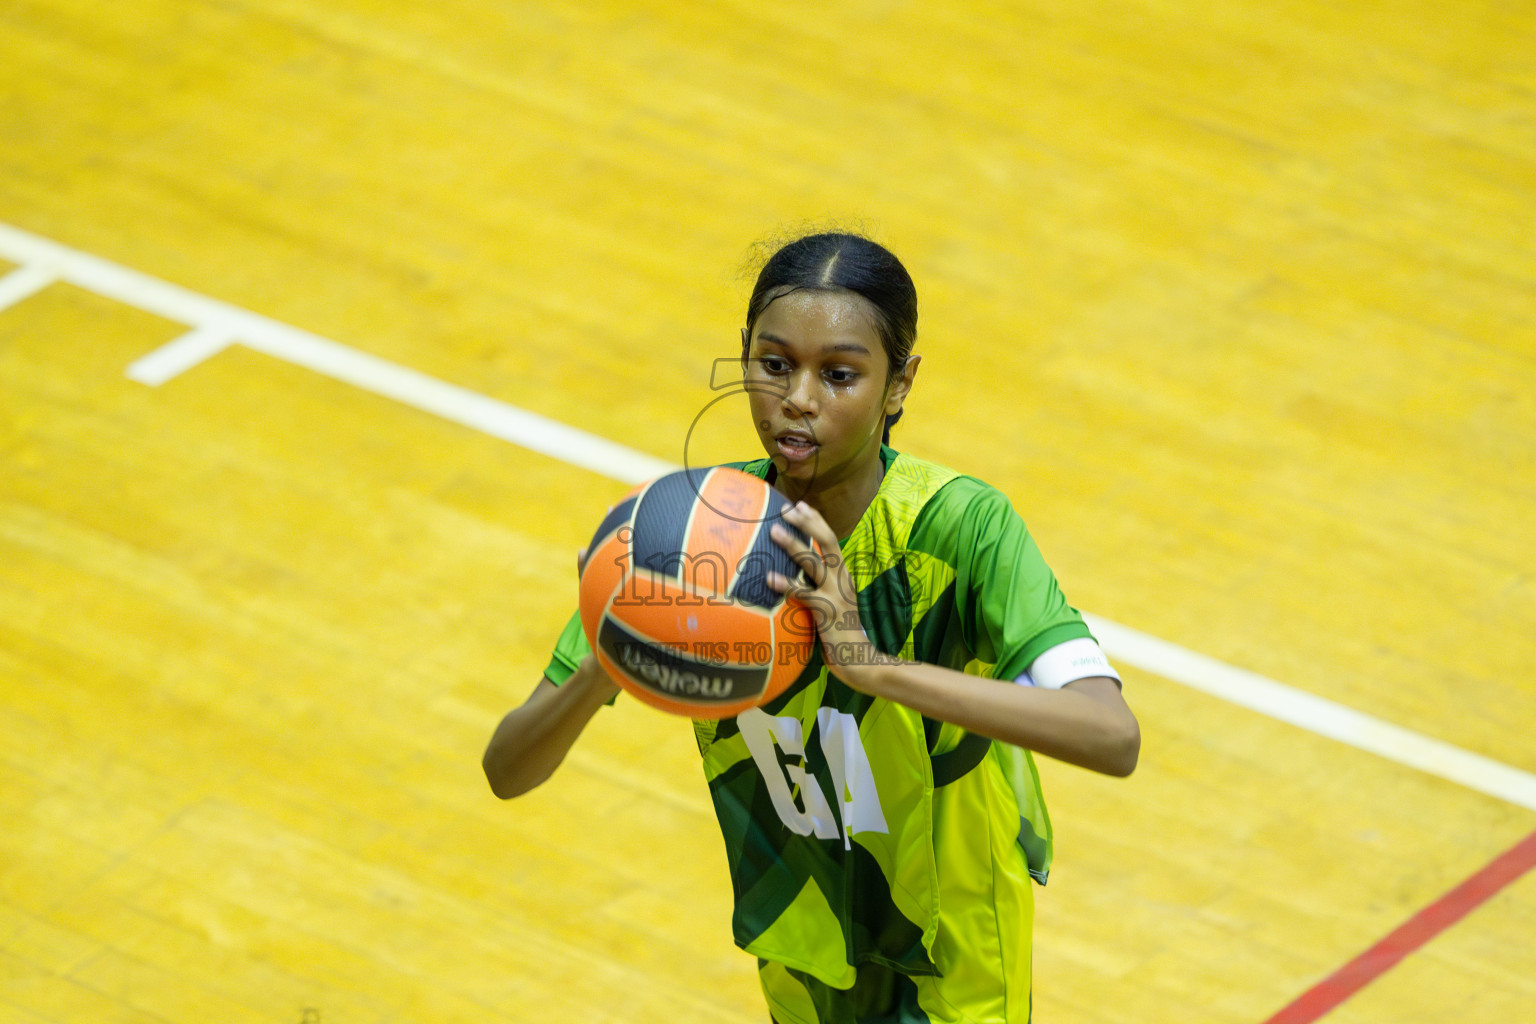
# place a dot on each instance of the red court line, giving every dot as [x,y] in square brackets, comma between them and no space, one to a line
[1410,935]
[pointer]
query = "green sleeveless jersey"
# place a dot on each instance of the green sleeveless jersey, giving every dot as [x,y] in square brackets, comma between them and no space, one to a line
[847,817]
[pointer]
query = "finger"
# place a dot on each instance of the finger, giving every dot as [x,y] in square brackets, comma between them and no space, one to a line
[801,553]
[581,560]
[806,518]
[811,567]
[781,584]
[792,541]
[791,538]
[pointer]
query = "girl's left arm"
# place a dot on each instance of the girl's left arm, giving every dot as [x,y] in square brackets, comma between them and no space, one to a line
[1086,723]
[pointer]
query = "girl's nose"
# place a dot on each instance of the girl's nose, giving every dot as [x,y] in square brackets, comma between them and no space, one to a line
[800,399]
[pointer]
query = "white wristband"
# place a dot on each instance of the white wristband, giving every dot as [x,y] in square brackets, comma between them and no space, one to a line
[1066,663]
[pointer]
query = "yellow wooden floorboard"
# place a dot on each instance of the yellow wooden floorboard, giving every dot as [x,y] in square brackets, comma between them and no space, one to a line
[1476,972]
[33,995]
[1256,877]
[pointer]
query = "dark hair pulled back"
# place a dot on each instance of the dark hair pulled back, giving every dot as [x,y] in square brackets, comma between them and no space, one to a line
[837,261]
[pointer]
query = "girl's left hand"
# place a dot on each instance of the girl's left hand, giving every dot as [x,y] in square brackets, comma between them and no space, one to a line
[827,589]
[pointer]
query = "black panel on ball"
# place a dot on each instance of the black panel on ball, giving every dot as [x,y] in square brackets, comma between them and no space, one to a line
[751,586]
[616,517]
[661,521]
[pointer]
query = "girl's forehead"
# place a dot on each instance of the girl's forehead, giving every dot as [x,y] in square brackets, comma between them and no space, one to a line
[818,314]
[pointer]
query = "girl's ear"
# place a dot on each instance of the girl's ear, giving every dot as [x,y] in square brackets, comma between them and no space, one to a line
[745,346]
[901,385]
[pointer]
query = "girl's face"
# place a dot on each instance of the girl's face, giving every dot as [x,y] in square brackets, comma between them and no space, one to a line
[816,373]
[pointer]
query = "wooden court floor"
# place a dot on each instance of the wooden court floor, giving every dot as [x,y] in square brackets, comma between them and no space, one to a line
[1237,305]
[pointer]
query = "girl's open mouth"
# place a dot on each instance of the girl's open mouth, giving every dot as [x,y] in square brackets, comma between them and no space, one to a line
[795,446]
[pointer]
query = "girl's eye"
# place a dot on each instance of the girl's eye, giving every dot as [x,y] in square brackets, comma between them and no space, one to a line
[842,376]
[774,364]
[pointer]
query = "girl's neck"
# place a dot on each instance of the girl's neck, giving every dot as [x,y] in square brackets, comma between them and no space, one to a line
[842,503]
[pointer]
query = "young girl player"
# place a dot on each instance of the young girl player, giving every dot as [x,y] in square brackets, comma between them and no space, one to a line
[947,654]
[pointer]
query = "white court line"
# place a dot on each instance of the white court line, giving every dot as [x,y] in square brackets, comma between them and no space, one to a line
[1313,713]
[213,321]
[459,405]
[23,283]
[179,356]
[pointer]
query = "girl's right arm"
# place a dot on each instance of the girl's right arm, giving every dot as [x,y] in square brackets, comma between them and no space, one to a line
[533,739]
